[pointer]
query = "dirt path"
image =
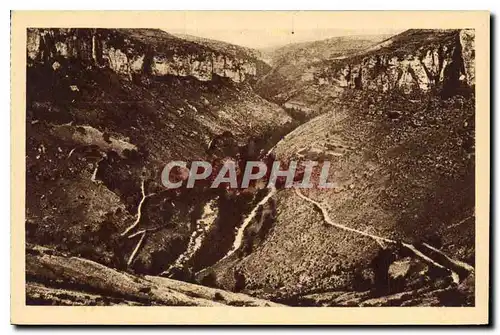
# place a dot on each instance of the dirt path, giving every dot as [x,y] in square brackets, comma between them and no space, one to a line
[139,208]
[457,265]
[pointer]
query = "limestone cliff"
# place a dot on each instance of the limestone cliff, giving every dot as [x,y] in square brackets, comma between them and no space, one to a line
[131,52]
[413,61]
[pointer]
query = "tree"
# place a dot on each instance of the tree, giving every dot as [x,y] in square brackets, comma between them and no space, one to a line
[240,281]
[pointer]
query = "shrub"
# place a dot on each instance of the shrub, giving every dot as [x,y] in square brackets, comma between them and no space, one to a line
[218,297]
[209,280]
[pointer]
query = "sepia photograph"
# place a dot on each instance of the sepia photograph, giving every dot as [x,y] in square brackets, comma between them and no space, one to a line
[293,163]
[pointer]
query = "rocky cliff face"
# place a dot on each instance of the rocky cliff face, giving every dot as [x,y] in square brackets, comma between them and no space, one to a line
[413,62]
[294,65]
[127,52]
[445,63]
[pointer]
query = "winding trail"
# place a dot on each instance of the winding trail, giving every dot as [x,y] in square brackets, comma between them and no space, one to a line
[94,174]
[461,221]
[71,152]
[328,220]
[139,210]
[428,259]
[137,247]
[457,263]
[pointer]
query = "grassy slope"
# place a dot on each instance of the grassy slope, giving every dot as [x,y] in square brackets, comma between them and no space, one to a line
[410,179]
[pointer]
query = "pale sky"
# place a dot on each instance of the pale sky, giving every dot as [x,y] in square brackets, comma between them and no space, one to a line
[259,29]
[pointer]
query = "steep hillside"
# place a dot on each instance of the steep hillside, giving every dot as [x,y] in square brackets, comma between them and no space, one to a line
[294,64]
[409,180]
[412,62]
[398,227]
[106,110]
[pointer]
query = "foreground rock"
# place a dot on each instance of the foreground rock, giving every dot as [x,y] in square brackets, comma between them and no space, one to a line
[55,279]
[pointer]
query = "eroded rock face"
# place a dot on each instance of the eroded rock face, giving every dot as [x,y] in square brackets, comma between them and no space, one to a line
[468,54]
[445,63]
[129,55]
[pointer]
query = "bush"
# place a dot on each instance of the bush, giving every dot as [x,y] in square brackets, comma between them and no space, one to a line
[240,281]
[209,280]
[218,297]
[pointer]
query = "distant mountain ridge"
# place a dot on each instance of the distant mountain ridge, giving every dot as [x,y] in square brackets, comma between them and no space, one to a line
[227,47]
[322,49]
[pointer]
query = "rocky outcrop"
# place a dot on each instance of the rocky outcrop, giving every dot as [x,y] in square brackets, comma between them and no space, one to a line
[414,61]
[129,52]
[468,54]
[57,279]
